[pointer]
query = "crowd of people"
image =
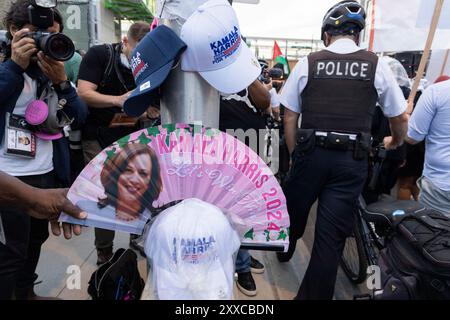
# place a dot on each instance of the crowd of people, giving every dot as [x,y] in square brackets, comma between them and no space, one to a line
[365,105]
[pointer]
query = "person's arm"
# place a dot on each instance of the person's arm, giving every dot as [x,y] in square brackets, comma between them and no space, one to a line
[87,92]
[399,128]
[393,104]
[90,75]
[55,71]
[11,71]
[291,98]
[11,81]
[259,95]
[422,117]
[290,128]
[40,203]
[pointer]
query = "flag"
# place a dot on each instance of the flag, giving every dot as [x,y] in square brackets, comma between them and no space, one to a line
[279,58]
[403,25]
[276,51]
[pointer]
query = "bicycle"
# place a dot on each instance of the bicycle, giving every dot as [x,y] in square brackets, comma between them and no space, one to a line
[373,223]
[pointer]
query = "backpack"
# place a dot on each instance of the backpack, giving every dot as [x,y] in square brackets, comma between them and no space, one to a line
[117,279]
[416,261]
[113,56]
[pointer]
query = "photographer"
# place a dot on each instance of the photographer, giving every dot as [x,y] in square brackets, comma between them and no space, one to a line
[27,75]
[272,80]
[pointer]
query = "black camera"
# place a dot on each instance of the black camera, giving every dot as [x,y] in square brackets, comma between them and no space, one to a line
[272,74]
[262,77]
[277,75]
[55,45]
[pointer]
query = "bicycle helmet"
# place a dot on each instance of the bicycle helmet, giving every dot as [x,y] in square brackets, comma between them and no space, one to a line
[345,17]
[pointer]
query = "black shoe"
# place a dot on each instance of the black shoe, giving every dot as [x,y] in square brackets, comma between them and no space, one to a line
[286,256]
[104,255]
[135,246]
[256,266]
[246,284]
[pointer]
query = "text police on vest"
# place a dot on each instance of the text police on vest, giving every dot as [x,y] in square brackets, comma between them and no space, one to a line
[342,69]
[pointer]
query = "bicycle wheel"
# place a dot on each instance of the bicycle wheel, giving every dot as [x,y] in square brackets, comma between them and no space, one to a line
[354,259]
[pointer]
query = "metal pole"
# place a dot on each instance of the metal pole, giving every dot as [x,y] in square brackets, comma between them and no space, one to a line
[286,50]
[92,21]
[187,97]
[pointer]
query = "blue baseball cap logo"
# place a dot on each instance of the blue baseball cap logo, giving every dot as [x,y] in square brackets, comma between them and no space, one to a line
[151,62]
[227,46]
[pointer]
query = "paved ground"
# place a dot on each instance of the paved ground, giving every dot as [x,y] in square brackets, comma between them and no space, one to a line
[280,281]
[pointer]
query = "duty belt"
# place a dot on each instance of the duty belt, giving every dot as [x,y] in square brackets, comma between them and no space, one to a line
[335,140]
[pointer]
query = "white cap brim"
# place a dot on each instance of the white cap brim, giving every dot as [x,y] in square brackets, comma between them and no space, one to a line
[216,285]
[238,75]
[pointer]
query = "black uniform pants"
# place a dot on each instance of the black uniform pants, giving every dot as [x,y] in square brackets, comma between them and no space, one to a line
[335,179]
[24,238]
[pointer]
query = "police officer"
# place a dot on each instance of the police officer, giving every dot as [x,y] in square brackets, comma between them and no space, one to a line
[336,91]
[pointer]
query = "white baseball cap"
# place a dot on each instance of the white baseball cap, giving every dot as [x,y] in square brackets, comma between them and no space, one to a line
[191,246]
[216,49]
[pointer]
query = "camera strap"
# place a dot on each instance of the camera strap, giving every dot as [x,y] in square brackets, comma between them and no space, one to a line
[109,64]
[19,140]
[113,64]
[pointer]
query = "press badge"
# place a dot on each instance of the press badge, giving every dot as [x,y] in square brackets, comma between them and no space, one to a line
[19,140]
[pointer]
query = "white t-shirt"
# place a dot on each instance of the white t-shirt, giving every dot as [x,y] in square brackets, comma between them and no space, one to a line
[274,98]
[390,96]
[43,162]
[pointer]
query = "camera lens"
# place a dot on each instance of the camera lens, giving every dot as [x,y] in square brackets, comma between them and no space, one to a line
[59,47]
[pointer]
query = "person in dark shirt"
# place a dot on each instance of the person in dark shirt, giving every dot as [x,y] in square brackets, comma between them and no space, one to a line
[246,110]
[104,85]
[105,91]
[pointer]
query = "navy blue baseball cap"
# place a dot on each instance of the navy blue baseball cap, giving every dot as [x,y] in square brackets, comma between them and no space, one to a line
[151,62]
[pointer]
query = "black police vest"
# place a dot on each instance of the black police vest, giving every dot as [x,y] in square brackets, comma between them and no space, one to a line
[340,94]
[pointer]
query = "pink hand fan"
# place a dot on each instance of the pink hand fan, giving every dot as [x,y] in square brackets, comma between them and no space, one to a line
[148,169]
